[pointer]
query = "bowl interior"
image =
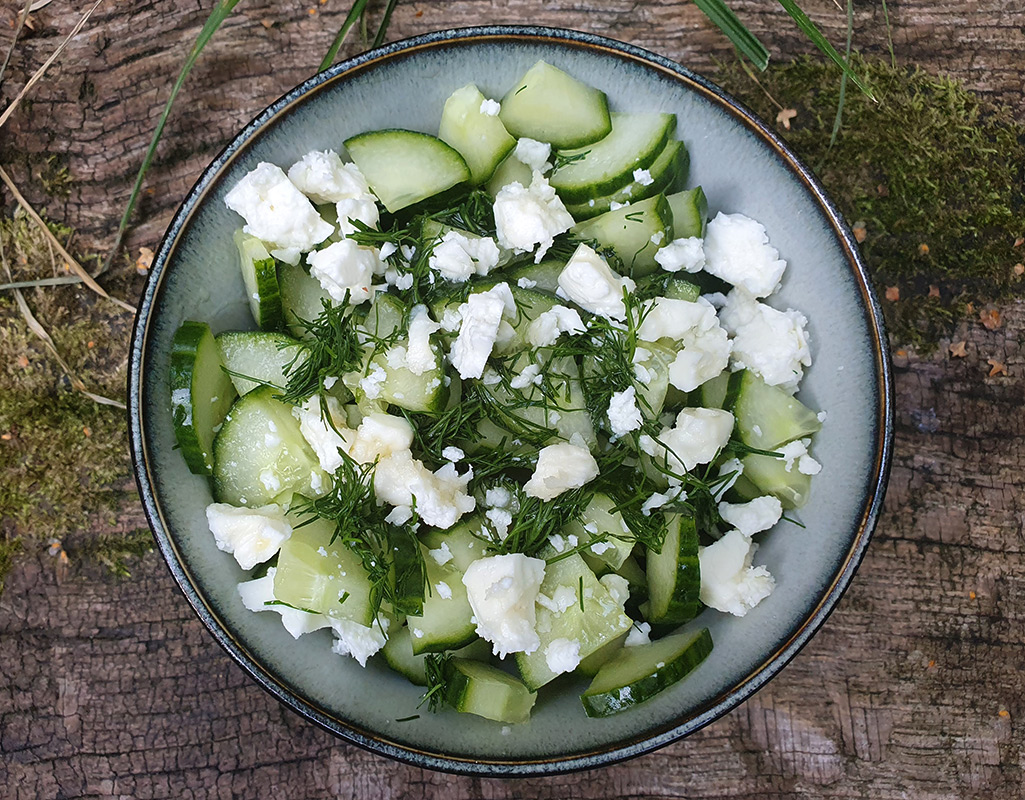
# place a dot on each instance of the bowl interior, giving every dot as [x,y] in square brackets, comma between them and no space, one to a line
[741,169]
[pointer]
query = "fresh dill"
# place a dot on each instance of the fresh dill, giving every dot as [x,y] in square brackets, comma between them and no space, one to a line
[565,159]
[333,348]
[289,605]
[435,668]
[635,216]
[537,520]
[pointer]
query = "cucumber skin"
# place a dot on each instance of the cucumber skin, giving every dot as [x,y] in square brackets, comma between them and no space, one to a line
[459,685]
[684,603]
[605,704]
[185,349]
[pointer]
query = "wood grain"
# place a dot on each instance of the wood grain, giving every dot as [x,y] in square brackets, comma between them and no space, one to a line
[913,689]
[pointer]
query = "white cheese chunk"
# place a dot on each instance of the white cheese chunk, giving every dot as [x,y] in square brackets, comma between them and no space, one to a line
[624,415]
[533,153]
[379,436]
[277,213]
[638,635]
[696,438]
[359,641]
[502,591]
[456,257]
[705,346]
[686,254]
[772,344]
[529,217]
[490,108]
[617,586]
[363,208]
[344,268]
[419,355]
[545,329]
[325,178]
[258,595]
[326,438]
[728,581]
[562,655]
[796,453]
[252,535]
[481,317]
[737,250]
[561,467]
[589,282]
[441,498]
[753,517]
[643,177]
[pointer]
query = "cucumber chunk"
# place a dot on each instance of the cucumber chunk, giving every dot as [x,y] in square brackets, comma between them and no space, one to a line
[386,315]
[690,213]
[480,139]
[674,578]
[383,379]
[599,658]
[398,653]
[460,542]
[635,232]
[258,359]
[544,276]
[592,617]
[634,143]
[260,454]
[512,170]
[484,690]
[768,417]
[600,518]
[315,575]
[669,169]
[260,276]
[768,475]
[445,622]
[548,105]
[636,674]
[405,167]
[302,298]
[201,394]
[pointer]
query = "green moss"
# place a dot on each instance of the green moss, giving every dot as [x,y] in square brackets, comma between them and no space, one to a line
[934,173]
[8,550]
[115,551]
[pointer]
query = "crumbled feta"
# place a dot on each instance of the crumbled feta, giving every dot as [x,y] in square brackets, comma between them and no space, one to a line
[500,519]
[728,581]
[737,250]
[325,178]
[533,153]
[657,238]
[324,436]
[502,591]
[357,640]
[399,515]
[258,595]
[624,415]
[441,555]
[562,655]
[561,467]
[444,590]
[481,316]
[453,454]
[733,467]
[530,217]
[457,256]
[526,283]
[252,535]
[498,497]
[562,598]
[546,328]
[617,586]
[638,635]
[372,383]
[772,344]
[643,177]
[277,213]
[696,438]
[797,453]
[490,108]
[666,318]
[659,499]
[419,355]
[344,268]
[601,547]
[363,208]
[440,497]
[687,254]
[753,517]
[589,282]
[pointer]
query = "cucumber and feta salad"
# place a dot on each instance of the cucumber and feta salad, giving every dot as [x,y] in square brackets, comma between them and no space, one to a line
[514,405]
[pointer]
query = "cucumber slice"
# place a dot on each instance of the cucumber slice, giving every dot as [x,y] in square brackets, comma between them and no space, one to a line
[484,690]
[667,284]
[639,673]
[445,623]
[634,143]
[315,575]
[302,298]
[599,658]
[635,232]
[768,417]
[383,379]
[674,578]
[592,620]
[398,653]
[480,139]
[405,167]
[260,276]
[260,454]
[669,168]
[459,541]
[530,305]
[544,276]
[512,170]
[598,518]
[201,394]
[548,105]
[261,356]
[386,315]
[768,475]
[690,213]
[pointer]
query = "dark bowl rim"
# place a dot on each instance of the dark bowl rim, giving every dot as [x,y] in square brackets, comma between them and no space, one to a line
[651,739]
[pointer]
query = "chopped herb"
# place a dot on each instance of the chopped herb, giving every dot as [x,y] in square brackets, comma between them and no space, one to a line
[289,605]
[437,683]
[564,159]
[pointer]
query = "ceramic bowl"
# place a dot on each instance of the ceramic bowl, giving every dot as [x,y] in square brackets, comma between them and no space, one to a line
[743,167]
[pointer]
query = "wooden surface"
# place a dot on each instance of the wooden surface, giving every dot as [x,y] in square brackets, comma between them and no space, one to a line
[913,689]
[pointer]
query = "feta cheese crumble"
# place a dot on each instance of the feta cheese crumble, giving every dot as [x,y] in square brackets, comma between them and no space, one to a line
[687,255]
[590,283]
[546,328]
[502,591]
[252,535]
[419,355]
[325,178]
[696,438]
[481,316]
[562,655]
[346,269]
[643,177]
[490,108]
[752,517]
[359,641]
[638,635]
[728,581]
[772,344]
[533,153]
[456,256]
[624,415]
[797,453]
[737,250]
[258,595]
[561,467]
[529,217]
[706,348]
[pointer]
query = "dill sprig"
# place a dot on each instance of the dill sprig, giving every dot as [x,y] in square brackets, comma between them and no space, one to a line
[537,520]
[332,350]
[475,214]
[565,159]
[435,665]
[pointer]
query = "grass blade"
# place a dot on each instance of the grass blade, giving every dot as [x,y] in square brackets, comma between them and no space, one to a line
[59,281]
[889,35]
[820,41]
[735,30]
[14,40]
[383,28]
[843,77]
[350,19]
[220,12]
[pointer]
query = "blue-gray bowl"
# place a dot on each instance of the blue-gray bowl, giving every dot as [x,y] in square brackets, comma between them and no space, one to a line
[743,167]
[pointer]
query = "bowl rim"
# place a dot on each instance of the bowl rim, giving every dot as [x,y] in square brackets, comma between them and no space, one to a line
[650,739]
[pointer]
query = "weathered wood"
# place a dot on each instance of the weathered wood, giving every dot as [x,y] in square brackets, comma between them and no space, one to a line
[111,688]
